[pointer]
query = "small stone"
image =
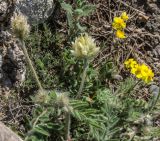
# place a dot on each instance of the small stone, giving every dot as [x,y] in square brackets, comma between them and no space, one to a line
[155,59]
[158,49]
[157,65]
[155,52]
[152,7]
[154,89]
[117,77]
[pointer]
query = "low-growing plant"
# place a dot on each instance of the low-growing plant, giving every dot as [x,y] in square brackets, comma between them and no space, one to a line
[74,14]
[83,107]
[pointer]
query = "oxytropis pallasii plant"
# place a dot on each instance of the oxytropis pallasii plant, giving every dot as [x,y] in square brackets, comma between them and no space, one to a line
[83,108]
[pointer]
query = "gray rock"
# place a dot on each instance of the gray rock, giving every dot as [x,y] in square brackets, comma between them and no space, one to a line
[12,62]
[35,10]
[154,89]
[7,134]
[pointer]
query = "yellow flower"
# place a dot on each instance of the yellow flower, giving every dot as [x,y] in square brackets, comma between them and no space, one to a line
[147,74]
[143,72]
[144,69]
[124,16]
[118,23]
[140,71]
[149,77]
[137,71]
[130,63]
[120,34]
[19,25]
[84,47]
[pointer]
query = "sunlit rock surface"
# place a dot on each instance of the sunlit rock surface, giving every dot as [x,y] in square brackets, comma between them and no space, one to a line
[36,10]
[12,61]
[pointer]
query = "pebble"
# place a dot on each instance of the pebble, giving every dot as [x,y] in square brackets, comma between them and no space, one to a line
[156,51]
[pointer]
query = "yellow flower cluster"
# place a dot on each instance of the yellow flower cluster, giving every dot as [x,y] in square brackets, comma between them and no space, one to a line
[141,71]
[84,47]
[119,24]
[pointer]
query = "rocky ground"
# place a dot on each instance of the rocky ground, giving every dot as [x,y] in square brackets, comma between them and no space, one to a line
[143,29]
[143,43]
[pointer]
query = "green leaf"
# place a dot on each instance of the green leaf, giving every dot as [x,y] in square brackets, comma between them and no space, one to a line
[78,11]
[40,64]
[81,28]
[67,7]
[87,10]
[41,131]
[70,20]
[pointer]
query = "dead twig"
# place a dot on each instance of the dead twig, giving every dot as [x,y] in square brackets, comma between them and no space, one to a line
[125,4]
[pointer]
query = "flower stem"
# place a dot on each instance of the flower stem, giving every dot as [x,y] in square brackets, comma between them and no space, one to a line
[83,78]
[31,66]
[67,126]
[133,87]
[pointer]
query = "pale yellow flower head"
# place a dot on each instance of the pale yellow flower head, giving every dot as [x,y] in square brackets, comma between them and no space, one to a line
[84,47]
[120,34]
[124,16]
[19,25]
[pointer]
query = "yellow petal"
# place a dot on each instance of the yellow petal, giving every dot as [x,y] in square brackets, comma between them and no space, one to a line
[118,23]
[120,34]
[124,16]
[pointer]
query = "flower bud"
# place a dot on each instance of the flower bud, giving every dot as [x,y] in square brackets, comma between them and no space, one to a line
[19,25]
[63,100]
[41,97]
[84,47]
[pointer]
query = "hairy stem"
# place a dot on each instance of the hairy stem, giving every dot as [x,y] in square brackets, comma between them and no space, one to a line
[67,126]
[134,86]
[83,78]
[31,65]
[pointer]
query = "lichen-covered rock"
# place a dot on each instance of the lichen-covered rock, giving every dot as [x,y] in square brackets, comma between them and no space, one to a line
[35,10]
[7,8]
[12,65]
[12,61]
